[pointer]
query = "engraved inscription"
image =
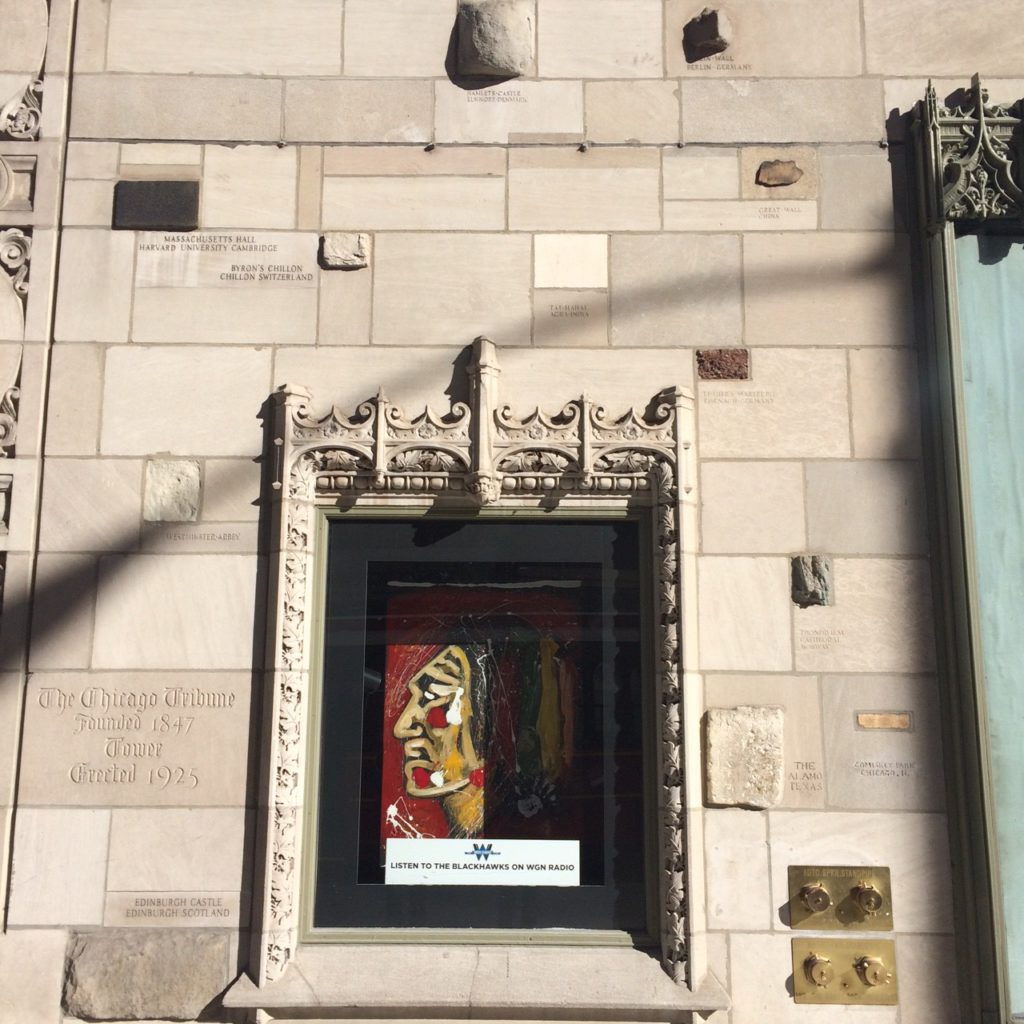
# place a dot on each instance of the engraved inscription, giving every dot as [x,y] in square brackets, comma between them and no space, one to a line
[806,777]
[496,96]
[819,639]
[886,769]
[137,743]
[173,909]
[746,396]
[572,310]
[225,260]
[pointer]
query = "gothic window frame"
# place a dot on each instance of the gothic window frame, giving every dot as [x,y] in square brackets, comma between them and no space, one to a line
[479,455]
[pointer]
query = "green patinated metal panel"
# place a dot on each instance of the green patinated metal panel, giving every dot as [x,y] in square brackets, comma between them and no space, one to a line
[990,273]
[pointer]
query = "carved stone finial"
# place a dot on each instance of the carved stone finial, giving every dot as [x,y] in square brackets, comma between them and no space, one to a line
[974,157]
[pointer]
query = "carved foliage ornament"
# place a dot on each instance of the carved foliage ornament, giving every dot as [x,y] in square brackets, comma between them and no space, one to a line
[476,454]
[20,118]
[974,157]
[15,254]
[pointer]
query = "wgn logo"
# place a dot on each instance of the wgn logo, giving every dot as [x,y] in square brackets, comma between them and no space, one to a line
[482,852]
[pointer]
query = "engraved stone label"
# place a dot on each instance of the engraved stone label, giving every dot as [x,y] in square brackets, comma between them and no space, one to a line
[174,909]
[564,317]
[744,396]
[809,639]
[805,777]
[136,739]
[226,260]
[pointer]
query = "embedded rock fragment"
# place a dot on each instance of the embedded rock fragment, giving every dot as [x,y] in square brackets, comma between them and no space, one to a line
[745,756]
[723,364]
[344,250]
[172,491]
[707,34]
[495,38]
[128,974]
[773,173]
[812,580]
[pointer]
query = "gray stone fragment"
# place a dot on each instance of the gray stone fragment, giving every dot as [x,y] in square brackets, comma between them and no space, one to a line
[134,974]
[707,34]
[345,250]
[745,756]
[773,173]
[172,491]
[812,580]
[495,38]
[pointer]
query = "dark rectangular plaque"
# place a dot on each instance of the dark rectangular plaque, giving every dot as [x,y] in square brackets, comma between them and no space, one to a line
[156,205]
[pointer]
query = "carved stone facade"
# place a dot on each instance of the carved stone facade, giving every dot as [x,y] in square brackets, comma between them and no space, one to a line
[15,257]
[476,454]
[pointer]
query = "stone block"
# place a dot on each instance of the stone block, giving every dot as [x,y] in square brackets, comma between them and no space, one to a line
[249,187]
[668,289]
[736,855]
[189,37]
[820,37]
[10,738]
[884,399]
[919,38]
[752,507]
[447,290]
[125,739]
[411,161]
[403,39]
[172,491]
[928,989]
[163,381]
[795,406]
[723,364]
[177,849]
[232,490]
[92,160]
[310,184]
[87,203]
[91,505]
[414,204]
[782,110]
[741,215]
[62,611]
[696,172]
[495,37]
[632,112]
[119,973]
[145,159]
[600,190]
[856,189]
[866,508]
[803,158]
[872,765]
[336,110]
[209,597]
[345,250]
[345,307]
[570,317]
[913,845]
[521,111]
[176,107]
[802,741]
[600,39]
[94,289]
[744,614]
[31,973]
[745,756]
[881,620]
[570,261]
[59,866]
[827,288]
[710,32]
[811,577]
[72,426]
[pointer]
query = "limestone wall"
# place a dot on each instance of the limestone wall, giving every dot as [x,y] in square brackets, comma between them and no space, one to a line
[600,219]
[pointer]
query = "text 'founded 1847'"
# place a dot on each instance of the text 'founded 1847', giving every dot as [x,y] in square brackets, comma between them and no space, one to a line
[155,738]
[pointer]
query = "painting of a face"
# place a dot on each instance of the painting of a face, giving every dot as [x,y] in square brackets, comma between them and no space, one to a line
[436,727]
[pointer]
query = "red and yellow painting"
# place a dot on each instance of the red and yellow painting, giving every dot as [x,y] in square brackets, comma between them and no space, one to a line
[480,714]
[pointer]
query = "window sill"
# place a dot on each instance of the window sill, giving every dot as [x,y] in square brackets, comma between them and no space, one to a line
[477,982]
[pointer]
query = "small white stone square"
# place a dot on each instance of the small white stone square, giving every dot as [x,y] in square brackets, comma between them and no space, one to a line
[570,261]
[745,756]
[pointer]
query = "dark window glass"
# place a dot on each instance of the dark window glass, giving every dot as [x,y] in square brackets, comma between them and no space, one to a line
[482,679]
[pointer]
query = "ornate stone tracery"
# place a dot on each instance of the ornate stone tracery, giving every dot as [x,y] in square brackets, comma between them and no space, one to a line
[477,454]
[20,119]
[974,158]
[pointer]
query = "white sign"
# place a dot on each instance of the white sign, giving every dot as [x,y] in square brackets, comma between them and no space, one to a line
[483,862]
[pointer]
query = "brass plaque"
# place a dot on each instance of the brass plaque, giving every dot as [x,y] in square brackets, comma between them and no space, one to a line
[832,970]
[833,898]
[892,721]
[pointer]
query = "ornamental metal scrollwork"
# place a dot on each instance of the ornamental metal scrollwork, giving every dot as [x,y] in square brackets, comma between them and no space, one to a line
[476,454]
[974,157]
